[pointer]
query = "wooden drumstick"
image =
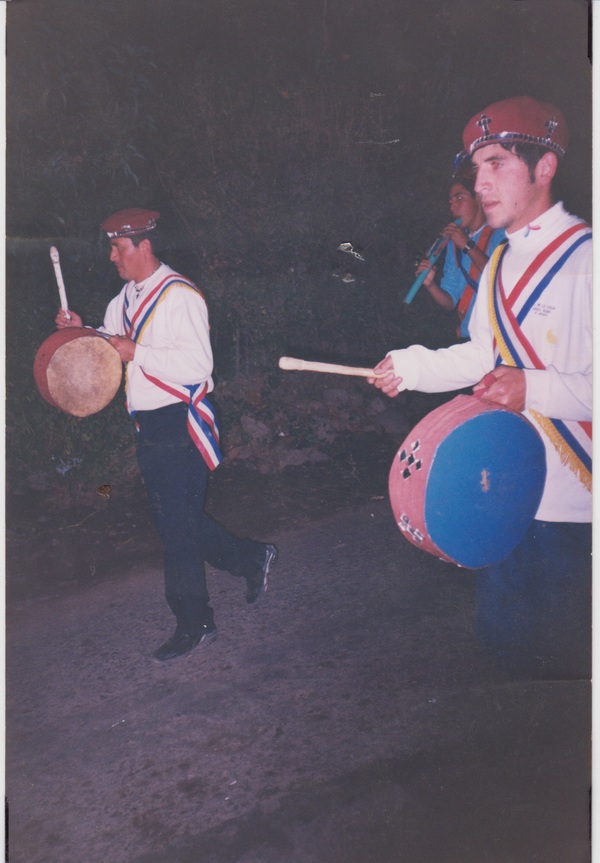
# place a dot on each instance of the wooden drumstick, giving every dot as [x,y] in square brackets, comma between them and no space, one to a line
[295,365]
[59,281]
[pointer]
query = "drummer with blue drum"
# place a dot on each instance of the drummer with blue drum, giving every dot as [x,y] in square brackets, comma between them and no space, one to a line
[530,351]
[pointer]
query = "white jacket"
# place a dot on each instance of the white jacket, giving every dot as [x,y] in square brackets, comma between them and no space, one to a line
[175,345]
[559,327]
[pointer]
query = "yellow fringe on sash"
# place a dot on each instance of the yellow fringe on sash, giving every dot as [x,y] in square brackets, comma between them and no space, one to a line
[565,452]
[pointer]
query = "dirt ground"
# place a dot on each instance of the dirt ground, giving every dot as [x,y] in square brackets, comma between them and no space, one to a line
[350,716]
[54,550]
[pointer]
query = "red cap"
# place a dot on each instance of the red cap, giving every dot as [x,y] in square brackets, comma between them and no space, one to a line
[519,119]
[129,223]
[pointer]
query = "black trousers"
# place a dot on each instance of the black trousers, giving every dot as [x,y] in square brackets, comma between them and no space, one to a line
[534,608]
[175,476]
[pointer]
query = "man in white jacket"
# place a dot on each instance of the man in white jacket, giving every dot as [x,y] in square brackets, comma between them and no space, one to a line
[158,323]
[531,330]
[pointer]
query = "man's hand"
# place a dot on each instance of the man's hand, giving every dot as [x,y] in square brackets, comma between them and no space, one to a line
[388,383]
[424,266]
[455,233]
[125,347]
[62,321]
[504,386]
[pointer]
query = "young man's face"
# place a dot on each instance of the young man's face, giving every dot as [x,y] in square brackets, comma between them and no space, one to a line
[464,206]
[127,258]
[509,197]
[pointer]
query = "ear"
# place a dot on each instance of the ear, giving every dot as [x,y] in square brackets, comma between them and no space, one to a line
[546,168]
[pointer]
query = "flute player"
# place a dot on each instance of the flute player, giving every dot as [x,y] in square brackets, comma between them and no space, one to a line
[471,241]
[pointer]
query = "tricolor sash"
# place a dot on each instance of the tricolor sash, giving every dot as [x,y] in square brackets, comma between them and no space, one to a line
[572,440]
[472,277]
[201,420]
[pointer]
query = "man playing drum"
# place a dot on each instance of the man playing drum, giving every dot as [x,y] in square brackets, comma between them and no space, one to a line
[531,351]
[159,326]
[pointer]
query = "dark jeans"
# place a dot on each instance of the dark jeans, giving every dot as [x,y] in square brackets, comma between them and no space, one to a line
[175,476]
[534,608]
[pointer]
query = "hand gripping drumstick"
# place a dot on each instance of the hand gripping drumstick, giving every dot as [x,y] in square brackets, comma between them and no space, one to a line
[293,365]
[59,280]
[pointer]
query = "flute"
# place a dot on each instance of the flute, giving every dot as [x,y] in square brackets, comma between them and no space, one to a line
[436,249]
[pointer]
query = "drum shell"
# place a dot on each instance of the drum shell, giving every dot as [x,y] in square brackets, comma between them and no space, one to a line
[467,481]
[77,371]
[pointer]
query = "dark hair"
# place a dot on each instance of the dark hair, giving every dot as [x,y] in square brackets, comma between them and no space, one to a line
[465,176]
[155,238]
[528,153]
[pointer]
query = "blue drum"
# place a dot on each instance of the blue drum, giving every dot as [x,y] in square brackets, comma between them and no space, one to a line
[466,483]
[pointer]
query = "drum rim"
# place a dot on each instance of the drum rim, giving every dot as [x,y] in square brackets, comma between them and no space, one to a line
[410,513]
[47,351]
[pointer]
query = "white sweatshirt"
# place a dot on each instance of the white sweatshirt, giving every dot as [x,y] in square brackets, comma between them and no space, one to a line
[559,327]
[175,345]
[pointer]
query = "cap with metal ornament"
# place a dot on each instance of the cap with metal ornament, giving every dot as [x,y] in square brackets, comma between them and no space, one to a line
[130,223]
[520,119]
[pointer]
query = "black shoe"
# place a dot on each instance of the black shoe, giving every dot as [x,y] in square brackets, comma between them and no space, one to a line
[181,643]
[257,583]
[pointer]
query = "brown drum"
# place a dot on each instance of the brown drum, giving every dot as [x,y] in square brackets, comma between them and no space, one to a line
[77,371]
[467,481]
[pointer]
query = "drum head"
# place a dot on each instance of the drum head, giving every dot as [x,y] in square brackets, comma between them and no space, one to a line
[77,371]
[478,486]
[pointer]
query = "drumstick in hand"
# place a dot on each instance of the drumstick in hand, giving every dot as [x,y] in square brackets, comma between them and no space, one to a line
[293,364]
[59,280]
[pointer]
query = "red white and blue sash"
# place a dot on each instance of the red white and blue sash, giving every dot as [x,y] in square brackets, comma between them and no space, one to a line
[572,440]
[201,420]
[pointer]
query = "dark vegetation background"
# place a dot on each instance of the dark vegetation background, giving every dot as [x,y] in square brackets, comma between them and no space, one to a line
[267,132]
